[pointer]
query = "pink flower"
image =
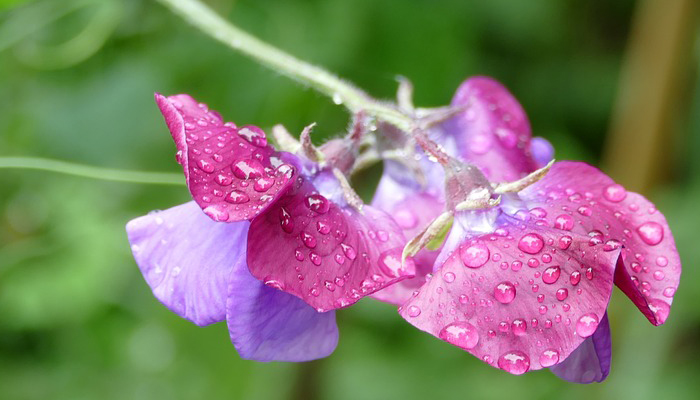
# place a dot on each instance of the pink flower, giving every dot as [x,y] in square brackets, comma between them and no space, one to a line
[270,243]
[525,285]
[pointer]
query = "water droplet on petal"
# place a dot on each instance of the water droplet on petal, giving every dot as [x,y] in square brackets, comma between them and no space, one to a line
[461,334]
[308,240]
[651,233]
[315,258]
[551,274]
[660,308]
[519,327]
[474,255]
[611,245]
[565,242]
[286,221]
[504,292]
[549,357]
[248,169]
[449,277]
[317,203]
[205,166]
[615,193]
[263,184]
[564,222]
[349,251]
[587,325]
[413,311]
[516,362]
[562,294]
[237,197]
[531,243]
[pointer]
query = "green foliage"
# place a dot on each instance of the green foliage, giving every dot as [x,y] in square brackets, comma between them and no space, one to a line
[78,322]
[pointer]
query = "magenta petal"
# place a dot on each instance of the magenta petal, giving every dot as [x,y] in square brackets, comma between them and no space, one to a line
[413,210]
[266,324]
[186,259]
[579,198]
[590,362]
[522,298]
[494,132]
[232,173]
[327,255]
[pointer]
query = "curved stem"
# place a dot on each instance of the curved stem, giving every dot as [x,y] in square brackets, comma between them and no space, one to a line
[206,20]
[86,171]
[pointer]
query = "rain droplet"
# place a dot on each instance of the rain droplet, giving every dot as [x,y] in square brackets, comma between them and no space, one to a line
[519,327]
[317,203]
[531,243]
[475,255]
[651,233]
[549,357]
[413,311]
[516,362]
[587,325]
[237,197]
[461,334]
[615,193]
[564,222]
[551,274]
[504,292]
[248,169]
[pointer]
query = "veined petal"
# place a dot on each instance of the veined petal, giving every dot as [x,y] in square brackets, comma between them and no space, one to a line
[186,259]
[590,362]
[521,298]
[579,198]
[232,173]
[413,208]
[329,256]
[493,133]
[267,324]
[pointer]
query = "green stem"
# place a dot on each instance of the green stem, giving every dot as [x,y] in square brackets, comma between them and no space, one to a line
[85,171]
[206,20]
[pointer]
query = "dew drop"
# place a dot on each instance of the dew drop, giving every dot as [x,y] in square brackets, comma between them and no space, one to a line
[475,255]
[519,327]
[413,311]
[504,292]
[248,169]
[318,203]
[564,222]
[549,357]
[236,197]
[461,334]
[551,275]
[587,325]
[562,294]
[651,233]
[615,193]
[531,243]
[516,362]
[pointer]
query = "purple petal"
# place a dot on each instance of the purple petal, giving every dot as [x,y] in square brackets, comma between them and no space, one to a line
[521,298]
[186,259]
[579,198]
[266,324]
[494,132]
[590,362]
[542,151]
[327,254]
[232,173]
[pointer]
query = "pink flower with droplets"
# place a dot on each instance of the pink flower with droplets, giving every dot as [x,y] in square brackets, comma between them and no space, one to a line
[525,284]
[272,241]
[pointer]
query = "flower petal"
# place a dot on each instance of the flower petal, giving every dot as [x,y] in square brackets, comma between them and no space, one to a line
[577,197]
[186,259]
[521,298]
[266,324]
[542,151]
[590,362]
[232,173]
[413,209]
[329,256]
[493,133]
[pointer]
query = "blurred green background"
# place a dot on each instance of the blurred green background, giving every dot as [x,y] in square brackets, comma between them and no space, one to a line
[76,83]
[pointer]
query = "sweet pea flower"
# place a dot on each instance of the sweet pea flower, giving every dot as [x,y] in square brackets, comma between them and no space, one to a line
[272,242]
[525,284]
